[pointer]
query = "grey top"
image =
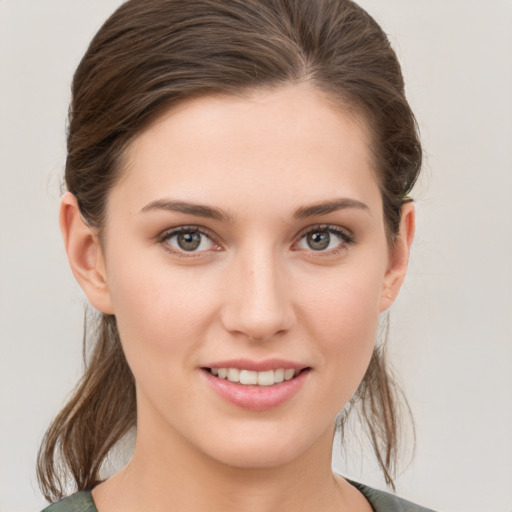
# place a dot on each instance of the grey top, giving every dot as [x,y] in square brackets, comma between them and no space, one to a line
[379,500]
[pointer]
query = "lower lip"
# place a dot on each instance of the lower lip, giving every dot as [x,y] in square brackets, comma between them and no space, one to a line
[256,398]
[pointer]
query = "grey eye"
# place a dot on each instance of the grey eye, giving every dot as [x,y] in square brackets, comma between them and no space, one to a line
[324,239]
[189,241]
[318,240]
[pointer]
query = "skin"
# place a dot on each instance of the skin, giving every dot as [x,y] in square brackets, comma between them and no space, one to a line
[255,289]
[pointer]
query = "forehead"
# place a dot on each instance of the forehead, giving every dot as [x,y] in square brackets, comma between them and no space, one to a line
[289,143]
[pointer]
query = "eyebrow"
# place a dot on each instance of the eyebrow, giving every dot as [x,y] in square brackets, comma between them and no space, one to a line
[328,207]
[210,212]
[198,210]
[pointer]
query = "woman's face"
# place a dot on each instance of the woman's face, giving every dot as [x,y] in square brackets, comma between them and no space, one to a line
[247,234]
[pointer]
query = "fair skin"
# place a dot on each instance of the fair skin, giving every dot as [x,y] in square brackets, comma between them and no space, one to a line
[259,279]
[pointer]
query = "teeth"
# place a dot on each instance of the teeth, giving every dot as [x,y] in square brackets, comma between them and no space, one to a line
[266,378]
[233,375]
[248,377]
[289,374]
[279,375]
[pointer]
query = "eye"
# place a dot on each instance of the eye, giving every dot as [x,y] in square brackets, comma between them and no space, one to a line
[325,239]
[188,239]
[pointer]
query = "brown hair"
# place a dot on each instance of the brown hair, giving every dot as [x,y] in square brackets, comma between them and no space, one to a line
[151,54]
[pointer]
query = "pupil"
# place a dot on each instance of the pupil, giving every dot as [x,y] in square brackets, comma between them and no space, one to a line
[319,240]
[189,241]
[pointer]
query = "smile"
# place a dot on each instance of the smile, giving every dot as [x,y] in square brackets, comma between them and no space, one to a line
[256,389]
[254,378]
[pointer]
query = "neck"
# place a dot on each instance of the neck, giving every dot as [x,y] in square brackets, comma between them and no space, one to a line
[191,482]
[169,473]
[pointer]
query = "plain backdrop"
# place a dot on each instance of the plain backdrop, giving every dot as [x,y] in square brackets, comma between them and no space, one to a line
[451,329]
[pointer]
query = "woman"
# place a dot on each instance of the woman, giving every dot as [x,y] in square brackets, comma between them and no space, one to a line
[237,212]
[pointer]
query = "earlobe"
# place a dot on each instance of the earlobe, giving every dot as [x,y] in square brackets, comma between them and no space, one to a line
[85,254]
[398,257]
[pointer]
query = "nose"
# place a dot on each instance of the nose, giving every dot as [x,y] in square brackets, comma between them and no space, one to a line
[258,304]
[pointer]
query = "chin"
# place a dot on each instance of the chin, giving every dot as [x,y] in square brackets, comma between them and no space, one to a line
[256,460]
[266,449]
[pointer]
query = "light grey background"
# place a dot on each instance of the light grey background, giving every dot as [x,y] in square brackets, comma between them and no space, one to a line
[451,336]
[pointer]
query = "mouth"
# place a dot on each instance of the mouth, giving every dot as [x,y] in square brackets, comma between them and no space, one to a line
[256,385]
[256,378]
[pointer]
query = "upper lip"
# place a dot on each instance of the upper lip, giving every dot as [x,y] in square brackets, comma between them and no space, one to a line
[257,366]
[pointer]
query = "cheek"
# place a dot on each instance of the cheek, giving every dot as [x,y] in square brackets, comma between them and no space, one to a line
[161,321]
[343,316]
[345,305]
[158,312]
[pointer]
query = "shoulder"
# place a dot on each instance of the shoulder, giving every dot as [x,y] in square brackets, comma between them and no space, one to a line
[382,501]
[78,502]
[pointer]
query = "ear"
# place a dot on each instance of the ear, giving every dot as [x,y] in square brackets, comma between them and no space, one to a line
[398,257]
[85,254]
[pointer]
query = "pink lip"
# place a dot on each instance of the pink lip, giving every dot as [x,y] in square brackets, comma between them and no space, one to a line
[257,366]
[256,398]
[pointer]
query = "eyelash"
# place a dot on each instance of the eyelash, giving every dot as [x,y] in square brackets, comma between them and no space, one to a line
[167,235]
[346,239]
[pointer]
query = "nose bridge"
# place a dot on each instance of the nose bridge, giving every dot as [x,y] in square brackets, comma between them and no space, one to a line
[258,305]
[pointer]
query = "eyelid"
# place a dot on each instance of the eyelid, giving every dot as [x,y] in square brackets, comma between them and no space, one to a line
[333,228]
[345,234]
[170,232]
